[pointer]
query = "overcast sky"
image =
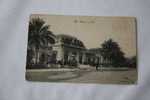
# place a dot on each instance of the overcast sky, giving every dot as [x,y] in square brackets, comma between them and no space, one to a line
[93,31]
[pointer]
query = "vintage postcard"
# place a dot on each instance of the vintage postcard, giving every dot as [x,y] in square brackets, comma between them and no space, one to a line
[82,49]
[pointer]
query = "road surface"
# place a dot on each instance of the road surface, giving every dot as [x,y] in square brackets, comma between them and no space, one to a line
[84,76]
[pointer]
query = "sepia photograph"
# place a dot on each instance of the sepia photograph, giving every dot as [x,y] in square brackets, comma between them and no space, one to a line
[82,49]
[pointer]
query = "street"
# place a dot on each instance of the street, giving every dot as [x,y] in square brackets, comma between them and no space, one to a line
[83,76]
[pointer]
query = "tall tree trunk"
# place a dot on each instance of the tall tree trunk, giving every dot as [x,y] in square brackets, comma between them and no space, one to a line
[47,53]
[36,56]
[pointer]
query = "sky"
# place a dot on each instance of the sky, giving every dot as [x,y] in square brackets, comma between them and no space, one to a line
[94,30]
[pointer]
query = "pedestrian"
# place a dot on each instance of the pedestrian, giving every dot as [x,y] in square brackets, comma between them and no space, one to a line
[97,66]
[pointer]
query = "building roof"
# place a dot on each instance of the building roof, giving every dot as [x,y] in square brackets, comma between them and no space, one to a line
[95,50]
[71,40]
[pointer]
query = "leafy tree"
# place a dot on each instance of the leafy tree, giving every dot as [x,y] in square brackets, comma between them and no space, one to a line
[39,35]
[112,53]
[131,62]
[134,61]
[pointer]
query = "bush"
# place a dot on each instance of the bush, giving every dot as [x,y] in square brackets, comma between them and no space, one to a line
[37,66]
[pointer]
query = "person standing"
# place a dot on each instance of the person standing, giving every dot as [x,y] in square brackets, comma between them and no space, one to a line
[97,64]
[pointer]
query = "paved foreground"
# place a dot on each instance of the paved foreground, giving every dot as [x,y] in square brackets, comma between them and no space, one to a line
[83,76]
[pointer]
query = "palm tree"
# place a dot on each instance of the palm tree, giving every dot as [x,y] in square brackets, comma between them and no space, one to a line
[111,52]
[39,35]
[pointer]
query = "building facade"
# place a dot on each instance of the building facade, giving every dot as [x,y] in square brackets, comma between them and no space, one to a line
[68,50]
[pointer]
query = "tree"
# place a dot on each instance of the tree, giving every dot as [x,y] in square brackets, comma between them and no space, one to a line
[39,35]
[131,61]
[112,53]
[134,61]
[29,58]
[42,58]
